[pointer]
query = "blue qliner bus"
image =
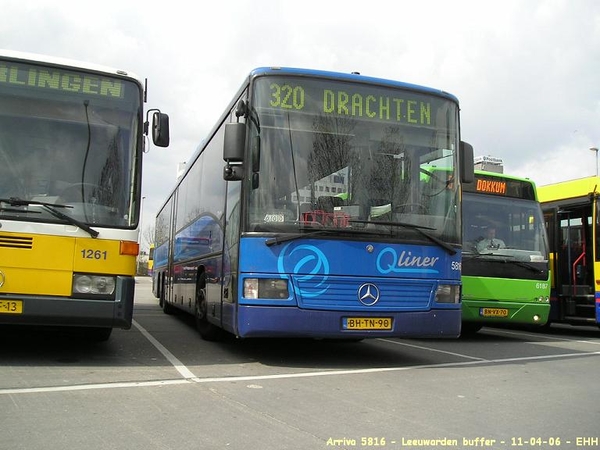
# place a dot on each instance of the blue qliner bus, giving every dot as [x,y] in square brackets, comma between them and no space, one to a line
[311,210]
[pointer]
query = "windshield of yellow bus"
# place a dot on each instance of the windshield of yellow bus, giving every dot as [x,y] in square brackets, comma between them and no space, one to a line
[68,139]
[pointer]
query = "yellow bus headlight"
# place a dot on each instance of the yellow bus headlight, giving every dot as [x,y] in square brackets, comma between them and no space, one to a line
[93,284]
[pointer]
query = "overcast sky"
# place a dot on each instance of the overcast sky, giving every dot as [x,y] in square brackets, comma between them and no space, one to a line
[526,73]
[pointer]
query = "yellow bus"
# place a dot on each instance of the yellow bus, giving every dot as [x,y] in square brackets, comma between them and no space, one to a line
[71,151]
[571,213]
[151,260]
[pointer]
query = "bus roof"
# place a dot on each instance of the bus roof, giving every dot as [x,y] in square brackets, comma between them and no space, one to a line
[504,176]
[571,189]
[64,62]
[353,77]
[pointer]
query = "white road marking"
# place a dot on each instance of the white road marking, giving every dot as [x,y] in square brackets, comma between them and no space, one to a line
[179,366]
[285,375]
[89,387]
[540,336]
[189,377]
[420,347]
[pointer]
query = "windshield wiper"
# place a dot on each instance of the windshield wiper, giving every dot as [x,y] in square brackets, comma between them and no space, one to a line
[418,228]
[15,201]
[528,266]
[51,208]
[506,259]
[321,231]
[290,237]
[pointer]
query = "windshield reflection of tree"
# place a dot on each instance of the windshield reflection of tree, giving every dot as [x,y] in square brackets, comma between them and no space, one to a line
[376,173]
[332,153]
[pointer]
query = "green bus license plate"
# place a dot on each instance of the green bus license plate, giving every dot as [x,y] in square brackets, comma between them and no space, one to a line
[493,312]
[11,307]
[367,323]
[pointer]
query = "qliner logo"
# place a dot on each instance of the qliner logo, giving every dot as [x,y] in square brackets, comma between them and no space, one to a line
[389,261]
[311,262]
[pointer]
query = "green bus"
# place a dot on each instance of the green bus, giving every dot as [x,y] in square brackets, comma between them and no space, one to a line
[505,269]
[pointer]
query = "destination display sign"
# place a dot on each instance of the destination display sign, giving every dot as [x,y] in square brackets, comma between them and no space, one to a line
[27,76]
[354,100]
[491,186]
[504,187]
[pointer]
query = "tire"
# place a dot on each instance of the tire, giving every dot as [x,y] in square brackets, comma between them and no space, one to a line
[207,330]
[159,291]
[165,305]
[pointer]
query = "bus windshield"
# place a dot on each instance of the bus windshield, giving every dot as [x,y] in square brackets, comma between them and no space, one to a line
[333,155]
[68,138]
[498,228]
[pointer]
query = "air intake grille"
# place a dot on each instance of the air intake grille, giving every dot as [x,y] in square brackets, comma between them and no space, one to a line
[16,242]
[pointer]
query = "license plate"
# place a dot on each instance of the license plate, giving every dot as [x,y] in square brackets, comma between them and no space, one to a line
[367,323]
[493,312]
[11,307]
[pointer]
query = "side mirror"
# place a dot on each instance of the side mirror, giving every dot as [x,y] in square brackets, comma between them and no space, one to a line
[160,129]
[233,151]
[235,140]
[467,165]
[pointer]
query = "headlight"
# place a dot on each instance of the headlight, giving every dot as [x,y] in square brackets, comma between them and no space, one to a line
[93,284]
[267,288]
[448,293]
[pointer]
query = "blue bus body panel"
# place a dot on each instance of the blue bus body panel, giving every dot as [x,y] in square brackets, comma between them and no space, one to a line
[327,278]
[350,258]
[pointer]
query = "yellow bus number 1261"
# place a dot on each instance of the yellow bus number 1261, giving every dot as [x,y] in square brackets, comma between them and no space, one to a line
[88,253]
